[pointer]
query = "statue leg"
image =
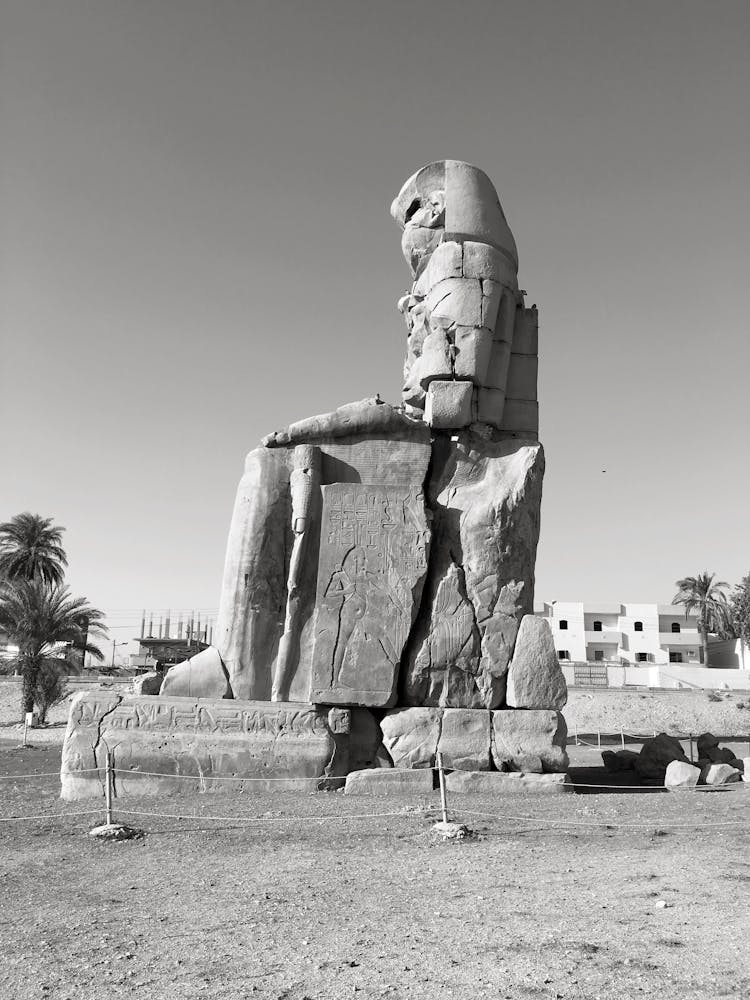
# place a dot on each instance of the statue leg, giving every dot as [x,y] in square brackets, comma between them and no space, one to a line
[253,593]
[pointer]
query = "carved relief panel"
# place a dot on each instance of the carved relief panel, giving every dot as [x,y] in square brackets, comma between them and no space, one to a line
[373,560]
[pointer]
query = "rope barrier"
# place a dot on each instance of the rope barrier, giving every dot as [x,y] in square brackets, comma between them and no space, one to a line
[274,819]
[46,774]
[208,777]
[732,786]
[19,819]
[657,824]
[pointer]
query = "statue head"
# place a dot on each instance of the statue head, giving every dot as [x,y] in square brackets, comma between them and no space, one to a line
[450,200]
[462,304]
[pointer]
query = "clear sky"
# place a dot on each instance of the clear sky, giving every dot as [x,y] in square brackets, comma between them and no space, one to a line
[196,249]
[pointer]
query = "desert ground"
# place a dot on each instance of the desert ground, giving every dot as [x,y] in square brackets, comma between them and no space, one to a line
[606,893]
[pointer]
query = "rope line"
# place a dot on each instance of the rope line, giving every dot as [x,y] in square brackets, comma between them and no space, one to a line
[18,819]
[657,824]
[276,819]
[209,777]
[47,774]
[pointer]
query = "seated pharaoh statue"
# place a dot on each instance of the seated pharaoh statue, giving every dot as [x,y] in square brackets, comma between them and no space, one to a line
[384,555]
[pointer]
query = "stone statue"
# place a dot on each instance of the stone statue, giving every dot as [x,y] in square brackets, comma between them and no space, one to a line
[438,539]
[379,557]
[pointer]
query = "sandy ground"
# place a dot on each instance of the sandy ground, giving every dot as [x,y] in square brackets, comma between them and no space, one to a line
[326,896]
[676,712]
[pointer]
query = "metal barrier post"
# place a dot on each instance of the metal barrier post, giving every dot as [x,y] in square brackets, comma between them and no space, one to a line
[108,788]
[692,758]
[441,779]
[622,738]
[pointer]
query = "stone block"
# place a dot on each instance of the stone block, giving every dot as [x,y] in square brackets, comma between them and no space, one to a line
[492,294]
[486,495]
[535,679]
[507,783]
[473,347]
[457,300]
[526,331]
[616,761]
[436,360]
[485,262]
[498,365]
[148,683]
[704,743]
[465,739]
[656,754]
[446,262]
[520,417]
[202,676]
[410,735]
[448,405]
[517,733]
[490,406]
[389,781]
[746,769]
[681,776]
[190,744]
[522,377]
[720,774]
[372,564]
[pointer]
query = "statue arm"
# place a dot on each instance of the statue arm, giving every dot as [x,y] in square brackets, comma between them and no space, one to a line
[367,416]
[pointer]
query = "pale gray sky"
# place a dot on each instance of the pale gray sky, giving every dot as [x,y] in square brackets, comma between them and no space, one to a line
[196,250]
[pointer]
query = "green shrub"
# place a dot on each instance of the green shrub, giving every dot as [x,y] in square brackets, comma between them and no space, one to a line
[51,686]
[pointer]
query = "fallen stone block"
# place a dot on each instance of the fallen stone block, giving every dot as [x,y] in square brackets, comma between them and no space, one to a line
[502,782]
[746,769]
[389,781]
[616,761]
[706,741]
[656,754]
[720,774]
[719,755]
[680,775]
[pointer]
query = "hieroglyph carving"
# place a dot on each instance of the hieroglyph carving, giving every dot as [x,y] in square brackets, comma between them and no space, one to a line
[373,559]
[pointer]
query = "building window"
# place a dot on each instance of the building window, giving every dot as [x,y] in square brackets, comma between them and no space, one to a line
[563,654]
[598,655]
[675,657]
[675,626]
[637,626]
[563,623]
[641,657]
[597,626]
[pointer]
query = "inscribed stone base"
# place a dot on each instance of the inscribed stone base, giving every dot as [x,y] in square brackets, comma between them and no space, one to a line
[189,744]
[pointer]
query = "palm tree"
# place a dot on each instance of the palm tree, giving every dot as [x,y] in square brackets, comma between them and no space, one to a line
[706,596]
[39,619]
[31,549]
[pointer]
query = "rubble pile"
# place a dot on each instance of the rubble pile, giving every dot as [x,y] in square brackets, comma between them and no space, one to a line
[662,761]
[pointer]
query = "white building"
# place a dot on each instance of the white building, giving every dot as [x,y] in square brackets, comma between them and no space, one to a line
[622,633]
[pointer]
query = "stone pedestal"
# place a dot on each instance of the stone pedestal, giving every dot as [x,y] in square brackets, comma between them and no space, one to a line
[193,744]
